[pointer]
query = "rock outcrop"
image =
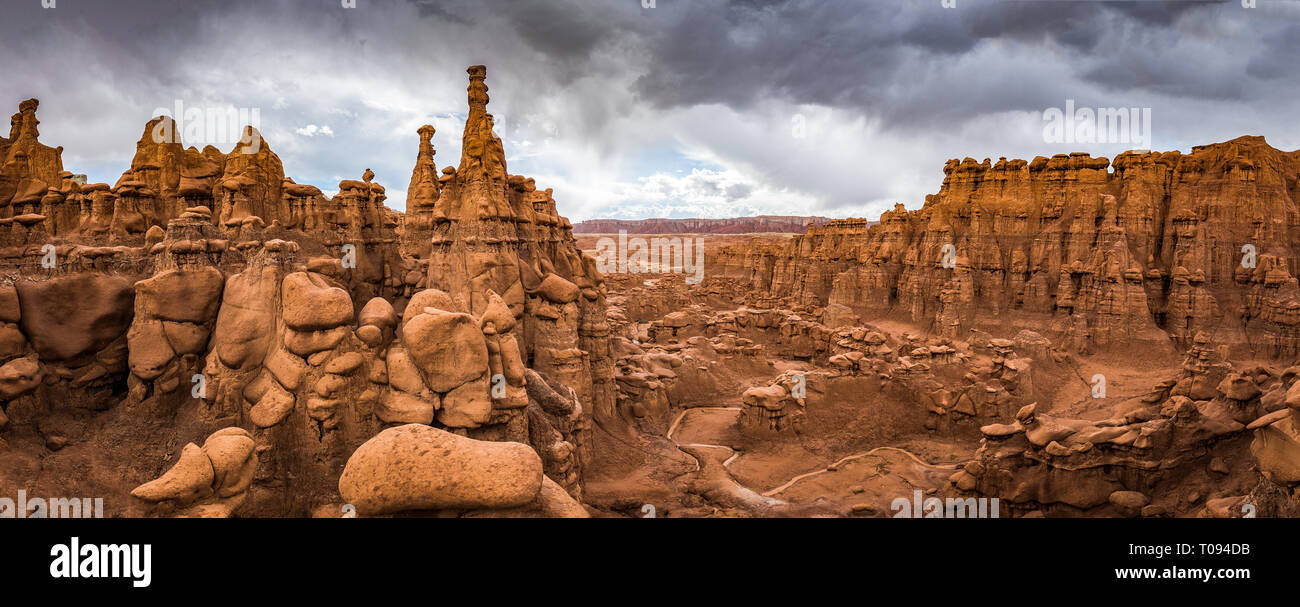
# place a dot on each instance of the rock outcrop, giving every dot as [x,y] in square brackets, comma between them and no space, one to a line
[1149,253]
[207,293]
[208,481]
[1161,453]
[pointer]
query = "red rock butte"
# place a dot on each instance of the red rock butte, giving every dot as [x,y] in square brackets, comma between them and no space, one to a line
[1148,254]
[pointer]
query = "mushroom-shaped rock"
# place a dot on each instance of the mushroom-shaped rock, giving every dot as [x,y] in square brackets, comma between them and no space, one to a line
[417,467]
[153,236]
[1238,386]
[769,397]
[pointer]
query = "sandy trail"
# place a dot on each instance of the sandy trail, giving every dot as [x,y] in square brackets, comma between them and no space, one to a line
[850,458]
[677,423]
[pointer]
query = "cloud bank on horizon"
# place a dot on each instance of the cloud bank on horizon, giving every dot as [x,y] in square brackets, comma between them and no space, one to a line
[692,108]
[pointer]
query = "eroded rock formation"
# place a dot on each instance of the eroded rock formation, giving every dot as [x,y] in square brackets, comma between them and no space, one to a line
[239,344]
[1149,252]
[208,294]
[1160,454]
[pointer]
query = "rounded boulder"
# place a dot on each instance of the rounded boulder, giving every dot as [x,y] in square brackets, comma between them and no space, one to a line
[417,467]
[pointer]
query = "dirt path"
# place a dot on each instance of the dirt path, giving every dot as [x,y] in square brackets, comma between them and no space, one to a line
[677,425]
[850,458]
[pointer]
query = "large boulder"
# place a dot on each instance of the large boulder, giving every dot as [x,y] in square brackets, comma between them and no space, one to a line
[1277,451]
[312,304]
[246,322]
[558,290]
[71,317]
[188,295]
[448,348]
[417,467]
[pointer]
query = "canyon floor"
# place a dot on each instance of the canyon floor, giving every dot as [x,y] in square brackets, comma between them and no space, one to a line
[730,437]
[840,462]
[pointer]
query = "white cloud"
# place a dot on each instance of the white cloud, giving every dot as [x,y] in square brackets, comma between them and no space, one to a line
[312,130]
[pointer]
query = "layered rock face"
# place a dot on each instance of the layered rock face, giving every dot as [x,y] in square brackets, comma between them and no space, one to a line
[209,295]
[1154,250]
[733,225]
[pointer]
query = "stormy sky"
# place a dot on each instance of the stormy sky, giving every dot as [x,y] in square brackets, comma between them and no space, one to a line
[689,108]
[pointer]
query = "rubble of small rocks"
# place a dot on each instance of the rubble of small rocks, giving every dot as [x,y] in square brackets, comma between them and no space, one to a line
[1180,449]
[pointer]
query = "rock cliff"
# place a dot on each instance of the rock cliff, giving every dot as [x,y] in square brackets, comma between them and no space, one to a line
[1146,250]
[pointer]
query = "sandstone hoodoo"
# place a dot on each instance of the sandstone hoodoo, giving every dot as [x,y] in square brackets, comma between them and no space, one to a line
[238,344]
[207,294]
[1148,249]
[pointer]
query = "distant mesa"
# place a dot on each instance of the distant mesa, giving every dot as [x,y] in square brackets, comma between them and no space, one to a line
[792,224]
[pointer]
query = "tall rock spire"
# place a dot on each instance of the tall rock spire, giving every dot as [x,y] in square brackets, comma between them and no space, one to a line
[481,178]
[424,188]
[422,198]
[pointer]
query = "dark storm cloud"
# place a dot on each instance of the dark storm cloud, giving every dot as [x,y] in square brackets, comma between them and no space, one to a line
[851,53]
[563,29]
[1278,59]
